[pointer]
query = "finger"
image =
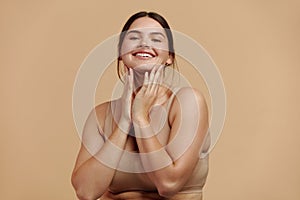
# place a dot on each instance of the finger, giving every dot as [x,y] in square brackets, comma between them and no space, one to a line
[160,68]
[157,67]
[151,76]
[159,62]
[145,84]
[158,75]
[130,78]
[155,85]
[146,79]
[160,80]
[151,81]
[156,79]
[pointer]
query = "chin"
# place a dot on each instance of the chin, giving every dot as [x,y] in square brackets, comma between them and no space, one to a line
[140,64]
[144,66]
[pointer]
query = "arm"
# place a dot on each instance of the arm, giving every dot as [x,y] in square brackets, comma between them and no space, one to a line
[90,177]
[189,124]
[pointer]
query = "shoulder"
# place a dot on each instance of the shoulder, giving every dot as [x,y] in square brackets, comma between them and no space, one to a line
[187,99]
[185,93]
[100,111]
[188,95]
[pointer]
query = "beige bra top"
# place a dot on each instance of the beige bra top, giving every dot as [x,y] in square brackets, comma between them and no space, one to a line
[130,177]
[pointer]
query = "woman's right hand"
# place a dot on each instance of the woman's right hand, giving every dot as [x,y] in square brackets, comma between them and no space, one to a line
[126,103]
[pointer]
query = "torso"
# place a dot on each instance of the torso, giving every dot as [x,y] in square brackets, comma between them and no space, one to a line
[129,182]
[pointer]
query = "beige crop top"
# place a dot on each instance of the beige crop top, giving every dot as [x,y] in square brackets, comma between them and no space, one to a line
[130,178]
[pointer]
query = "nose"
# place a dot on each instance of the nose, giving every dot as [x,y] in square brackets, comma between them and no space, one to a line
[144,43]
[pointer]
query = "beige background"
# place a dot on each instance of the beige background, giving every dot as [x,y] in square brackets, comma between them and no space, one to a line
[255,44]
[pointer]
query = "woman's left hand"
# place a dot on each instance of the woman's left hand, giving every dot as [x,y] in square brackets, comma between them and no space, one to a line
[146,97]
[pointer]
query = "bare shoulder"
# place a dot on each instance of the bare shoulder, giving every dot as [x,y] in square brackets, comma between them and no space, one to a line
[101,108]
[101,113]
[187,97]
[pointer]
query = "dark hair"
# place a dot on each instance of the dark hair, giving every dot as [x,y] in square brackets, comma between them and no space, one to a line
[157,18]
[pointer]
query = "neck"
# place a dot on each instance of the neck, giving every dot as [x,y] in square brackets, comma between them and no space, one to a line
[138,81]
[162,95]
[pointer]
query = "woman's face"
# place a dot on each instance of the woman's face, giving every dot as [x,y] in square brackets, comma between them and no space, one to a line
[145,44]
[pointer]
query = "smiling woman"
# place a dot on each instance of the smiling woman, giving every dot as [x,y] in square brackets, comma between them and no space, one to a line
[156,129]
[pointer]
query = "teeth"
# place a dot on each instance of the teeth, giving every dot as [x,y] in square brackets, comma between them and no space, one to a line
[144,55]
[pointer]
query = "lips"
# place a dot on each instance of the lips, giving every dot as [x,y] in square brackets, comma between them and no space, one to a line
[143,54]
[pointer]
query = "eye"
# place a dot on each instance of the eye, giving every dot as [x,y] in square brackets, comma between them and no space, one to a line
[156,40]
[133,38]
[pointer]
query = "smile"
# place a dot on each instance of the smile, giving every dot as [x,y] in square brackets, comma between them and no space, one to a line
[146,55]
[143,54]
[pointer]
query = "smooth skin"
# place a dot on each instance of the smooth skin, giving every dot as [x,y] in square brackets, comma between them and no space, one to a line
[143,90]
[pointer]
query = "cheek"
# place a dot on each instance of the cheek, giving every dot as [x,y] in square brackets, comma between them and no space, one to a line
[161,46]
[164,54]
[127,47]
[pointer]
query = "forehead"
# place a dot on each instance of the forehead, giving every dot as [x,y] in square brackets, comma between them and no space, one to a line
[146,24]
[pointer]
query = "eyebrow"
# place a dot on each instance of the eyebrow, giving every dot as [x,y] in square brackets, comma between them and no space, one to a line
[152,33]
[157,33]
[134,31]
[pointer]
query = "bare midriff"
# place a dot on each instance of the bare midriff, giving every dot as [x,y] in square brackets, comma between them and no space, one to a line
[140,195]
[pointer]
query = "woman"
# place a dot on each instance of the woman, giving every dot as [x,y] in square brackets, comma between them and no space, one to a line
[146,144]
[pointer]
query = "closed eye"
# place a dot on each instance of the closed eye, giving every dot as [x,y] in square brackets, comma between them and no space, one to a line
[133,38]
[156,40]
